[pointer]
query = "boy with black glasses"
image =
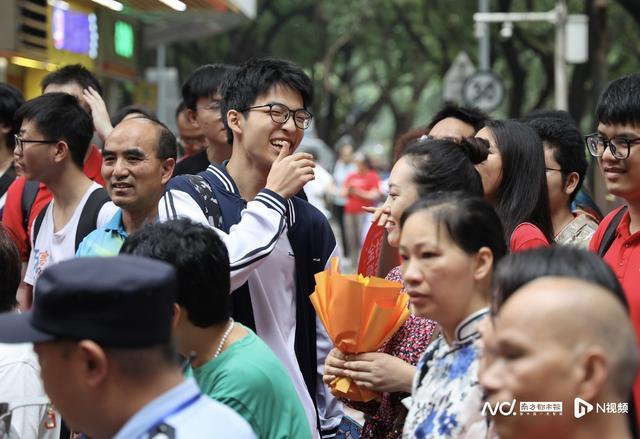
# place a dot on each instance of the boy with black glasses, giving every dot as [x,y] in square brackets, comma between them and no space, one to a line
[616,144]
[276,241]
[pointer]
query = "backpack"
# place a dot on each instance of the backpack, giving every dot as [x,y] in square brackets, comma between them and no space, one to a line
[211,207]
[29,193]
[610,232]
[88,216]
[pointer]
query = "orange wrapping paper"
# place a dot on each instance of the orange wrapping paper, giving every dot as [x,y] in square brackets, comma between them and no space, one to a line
[359,314]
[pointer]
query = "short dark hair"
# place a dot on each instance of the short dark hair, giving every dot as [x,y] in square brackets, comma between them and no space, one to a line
[72,73]
[471,221]
[10,101]
[543,113]
[241,88]
[522,195]
[201,261]
[469,115]
[405,139]
[180,108]
[204,82]
[443,165]
[565,140]
[59,116]
[9,271]
[619,102]
[559,261]
[139,364]
[127,110]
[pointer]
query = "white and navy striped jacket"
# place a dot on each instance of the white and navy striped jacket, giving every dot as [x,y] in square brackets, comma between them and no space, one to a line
[275,248]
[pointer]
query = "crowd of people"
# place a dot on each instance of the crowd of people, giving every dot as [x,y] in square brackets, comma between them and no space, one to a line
[155,285]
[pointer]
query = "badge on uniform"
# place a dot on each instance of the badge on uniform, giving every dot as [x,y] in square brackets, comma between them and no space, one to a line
[163,431]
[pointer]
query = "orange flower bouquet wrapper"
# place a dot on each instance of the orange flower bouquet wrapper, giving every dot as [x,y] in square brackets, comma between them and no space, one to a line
[360,314]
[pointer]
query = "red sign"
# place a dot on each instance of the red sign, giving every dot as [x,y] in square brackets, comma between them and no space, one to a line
[370,254]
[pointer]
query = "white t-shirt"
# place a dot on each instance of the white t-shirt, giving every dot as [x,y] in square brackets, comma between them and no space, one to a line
[52,247]
[20,384]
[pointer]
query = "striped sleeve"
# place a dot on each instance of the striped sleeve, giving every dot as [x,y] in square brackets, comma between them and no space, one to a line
[248,242]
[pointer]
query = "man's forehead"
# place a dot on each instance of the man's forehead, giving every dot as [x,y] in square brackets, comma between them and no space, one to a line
[140,133]
[616,129]
[452,127]
[72,88]
[281,93]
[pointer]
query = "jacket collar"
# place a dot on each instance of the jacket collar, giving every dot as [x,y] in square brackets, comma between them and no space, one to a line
[226,183]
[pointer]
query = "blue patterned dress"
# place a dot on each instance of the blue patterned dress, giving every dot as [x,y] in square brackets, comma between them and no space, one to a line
[447,398]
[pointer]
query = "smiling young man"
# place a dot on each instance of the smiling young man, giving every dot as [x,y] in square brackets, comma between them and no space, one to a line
[616,144]
[54,135]
[138,160]
[276,241]
[201,97]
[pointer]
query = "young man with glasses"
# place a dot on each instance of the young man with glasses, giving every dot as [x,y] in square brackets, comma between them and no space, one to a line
[26,199]
[201,97]
[566,166]
[616,144]
[276,241]
[54,135]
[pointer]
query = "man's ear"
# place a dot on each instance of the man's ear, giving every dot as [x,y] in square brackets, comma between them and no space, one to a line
[571,183]
[177,315]
[592,373]
[484,263]
[61,151]
[234,121]
[5,129]
[94,363]
[167,169]
[191,117]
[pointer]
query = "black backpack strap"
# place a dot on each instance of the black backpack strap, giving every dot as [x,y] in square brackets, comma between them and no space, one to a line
[6,180]
[610,232]
[211,206]
[38,222]
[89,215]
[29,193]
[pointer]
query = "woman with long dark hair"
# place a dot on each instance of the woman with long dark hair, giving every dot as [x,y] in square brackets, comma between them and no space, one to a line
[515,183]
[425,166]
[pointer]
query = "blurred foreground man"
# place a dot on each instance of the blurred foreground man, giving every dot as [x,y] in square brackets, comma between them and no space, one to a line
[562,340]
[101,329]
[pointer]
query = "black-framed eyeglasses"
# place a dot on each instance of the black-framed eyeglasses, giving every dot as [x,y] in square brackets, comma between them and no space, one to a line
[280,114]
[620,148]
[20,142]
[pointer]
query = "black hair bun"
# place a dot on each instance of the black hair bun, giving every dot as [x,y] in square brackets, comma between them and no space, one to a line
[475,148]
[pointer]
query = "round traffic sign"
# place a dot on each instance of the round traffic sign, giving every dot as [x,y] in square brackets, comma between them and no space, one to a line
[484,90]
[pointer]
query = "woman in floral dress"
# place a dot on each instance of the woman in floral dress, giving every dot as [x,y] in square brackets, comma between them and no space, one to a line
[449,246]
[425,166]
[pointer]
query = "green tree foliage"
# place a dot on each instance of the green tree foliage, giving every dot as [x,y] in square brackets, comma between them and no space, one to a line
[373,57]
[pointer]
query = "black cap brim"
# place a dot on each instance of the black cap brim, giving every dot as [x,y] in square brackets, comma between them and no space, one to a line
[17,328]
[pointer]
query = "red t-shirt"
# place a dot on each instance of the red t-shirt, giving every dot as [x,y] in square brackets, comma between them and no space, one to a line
[12,214]
[527,236]
[365,182]
[624,259]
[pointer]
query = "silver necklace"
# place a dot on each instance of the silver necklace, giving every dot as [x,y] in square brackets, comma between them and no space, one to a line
[224,338]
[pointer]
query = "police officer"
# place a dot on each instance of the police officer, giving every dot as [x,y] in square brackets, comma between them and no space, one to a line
[101,328]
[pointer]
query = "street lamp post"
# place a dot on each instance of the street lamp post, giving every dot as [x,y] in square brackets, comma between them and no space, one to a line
[558,17]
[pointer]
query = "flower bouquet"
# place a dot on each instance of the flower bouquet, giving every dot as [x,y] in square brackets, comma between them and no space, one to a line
[360,314]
